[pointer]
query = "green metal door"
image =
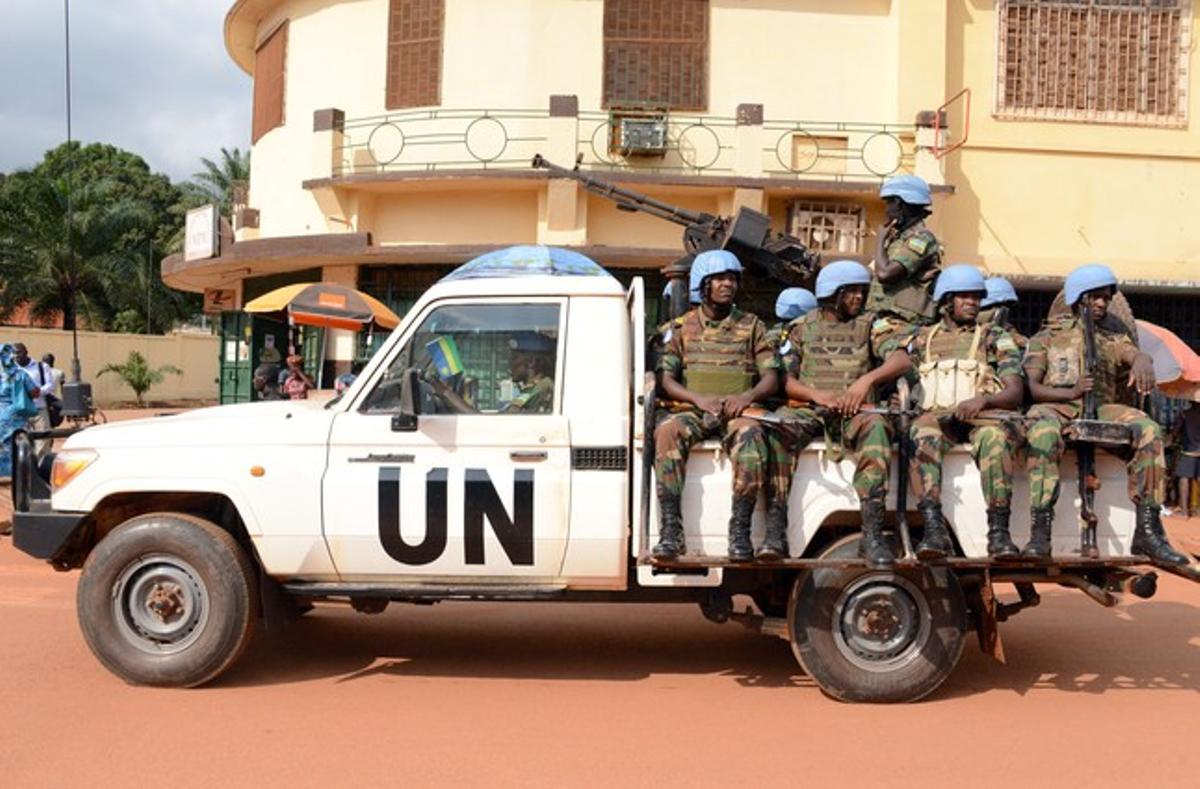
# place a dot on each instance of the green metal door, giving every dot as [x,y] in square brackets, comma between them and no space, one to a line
[235,358]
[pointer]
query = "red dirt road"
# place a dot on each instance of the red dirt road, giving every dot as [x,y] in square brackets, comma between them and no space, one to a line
[577,694]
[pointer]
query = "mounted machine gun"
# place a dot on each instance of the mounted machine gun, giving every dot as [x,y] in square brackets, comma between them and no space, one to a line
[747,234]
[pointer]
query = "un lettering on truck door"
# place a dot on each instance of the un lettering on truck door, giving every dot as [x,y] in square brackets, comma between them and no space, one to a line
[514,531]
[472,477]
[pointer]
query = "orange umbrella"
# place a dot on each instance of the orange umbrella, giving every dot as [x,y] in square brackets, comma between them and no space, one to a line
[325,305]
[1176,365]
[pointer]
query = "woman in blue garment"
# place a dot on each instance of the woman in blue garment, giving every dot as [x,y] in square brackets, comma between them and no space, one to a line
[17,391]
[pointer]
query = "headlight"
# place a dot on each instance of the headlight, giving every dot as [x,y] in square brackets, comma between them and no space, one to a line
[68,464]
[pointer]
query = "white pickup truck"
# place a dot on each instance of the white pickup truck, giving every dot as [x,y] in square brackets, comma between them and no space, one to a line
[191,528]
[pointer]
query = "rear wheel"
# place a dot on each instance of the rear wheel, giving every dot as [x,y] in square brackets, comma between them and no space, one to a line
[877,636]
[167,599]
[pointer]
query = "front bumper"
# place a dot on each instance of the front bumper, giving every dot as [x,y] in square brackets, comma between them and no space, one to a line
[42,532]
[38,529]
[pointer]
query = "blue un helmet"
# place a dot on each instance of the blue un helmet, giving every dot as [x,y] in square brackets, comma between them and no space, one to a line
[839,274]
[959,278]
[794,302]
[1088,277]
[707,264]
[999,291]
[909,188]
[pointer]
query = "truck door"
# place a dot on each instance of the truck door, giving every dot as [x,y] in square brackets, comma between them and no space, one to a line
[478,488]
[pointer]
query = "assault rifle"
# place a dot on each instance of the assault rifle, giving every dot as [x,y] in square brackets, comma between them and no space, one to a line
[1085,451]
[747,234]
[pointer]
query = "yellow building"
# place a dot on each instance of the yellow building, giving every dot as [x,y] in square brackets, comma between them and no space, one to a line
[392,138]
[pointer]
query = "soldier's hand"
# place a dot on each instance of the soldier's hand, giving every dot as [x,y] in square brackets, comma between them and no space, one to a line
[969,409]
[710,403]
[733,405]
[1141,375]
[824,399]
[852,399]
[1086,384]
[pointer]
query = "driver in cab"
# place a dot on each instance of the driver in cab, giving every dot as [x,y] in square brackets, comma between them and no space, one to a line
[531,368]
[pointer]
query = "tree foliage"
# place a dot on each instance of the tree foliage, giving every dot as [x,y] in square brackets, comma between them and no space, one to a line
[138,375]
[217,180]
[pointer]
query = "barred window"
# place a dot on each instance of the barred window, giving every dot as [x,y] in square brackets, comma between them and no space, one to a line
[656,53]
[414,56]
[1115,61]
[270,69]
[831,228]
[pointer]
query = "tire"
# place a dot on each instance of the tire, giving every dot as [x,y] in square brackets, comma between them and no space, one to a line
[925,621]
[199,577]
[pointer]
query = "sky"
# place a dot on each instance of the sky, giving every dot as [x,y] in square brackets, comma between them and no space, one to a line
[149,76]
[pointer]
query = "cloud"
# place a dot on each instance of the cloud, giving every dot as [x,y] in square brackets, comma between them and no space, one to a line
[150,76]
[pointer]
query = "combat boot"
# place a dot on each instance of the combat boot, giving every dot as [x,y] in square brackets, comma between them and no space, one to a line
[1000,545]
[670,529]
[936,543]
[740,547]
[774,545]
[1150,538]
[873,547]
[1041,523]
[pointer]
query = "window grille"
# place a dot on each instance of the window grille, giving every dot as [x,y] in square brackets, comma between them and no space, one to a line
[270,68]
[414,56]
[656,53]
[1114,61]
[828,227]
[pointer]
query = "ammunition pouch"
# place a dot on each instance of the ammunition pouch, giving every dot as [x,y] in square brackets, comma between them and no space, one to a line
[1062,365]
[947,382]
[717,381]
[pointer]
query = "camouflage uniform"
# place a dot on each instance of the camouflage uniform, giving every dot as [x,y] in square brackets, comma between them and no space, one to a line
[713,357]
[992,445]
[830,355]
[535,397]
[908,301]
[988,315]
[1057,353]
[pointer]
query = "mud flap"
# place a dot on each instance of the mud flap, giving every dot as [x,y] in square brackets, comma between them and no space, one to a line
[987,627]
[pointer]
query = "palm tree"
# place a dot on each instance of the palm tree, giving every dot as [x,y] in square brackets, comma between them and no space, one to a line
[138,375]
[40,269]
[217,181]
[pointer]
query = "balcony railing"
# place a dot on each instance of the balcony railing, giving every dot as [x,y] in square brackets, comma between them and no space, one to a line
[440,139]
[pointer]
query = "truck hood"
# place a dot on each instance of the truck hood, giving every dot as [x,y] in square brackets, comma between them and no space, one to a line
[289,423]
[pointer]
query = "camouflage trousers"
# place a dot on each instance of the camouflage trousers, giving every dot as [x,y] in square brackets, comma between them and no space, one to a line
[744,440]
[867,436]
[993,446]
[1145,465]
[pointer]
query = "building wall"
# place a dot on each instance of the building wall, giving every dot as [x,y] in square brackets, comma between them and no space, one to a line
[1030,198]
[195,354]
[1040,197]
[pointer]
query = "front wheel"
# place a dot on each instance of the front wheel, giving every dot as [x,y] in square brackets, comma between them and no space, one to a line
[167,599]
[877,636]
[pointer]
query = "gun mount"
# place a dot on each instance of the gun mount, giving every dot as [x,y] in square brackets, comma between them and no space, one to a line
[747,234]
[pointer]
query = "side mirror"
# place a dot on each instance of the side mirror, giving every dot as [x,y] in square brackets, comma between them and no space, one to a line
[410,402]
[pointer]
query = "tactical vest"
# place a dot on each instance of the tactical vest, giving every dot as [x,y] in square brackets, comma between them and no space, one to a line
[948,375]
[718,359]
[911,297]
[836,353]
[1064,360]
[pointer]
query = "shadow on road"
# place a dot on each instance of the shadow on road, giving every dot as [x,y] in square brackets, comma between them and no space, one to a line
[1068,644]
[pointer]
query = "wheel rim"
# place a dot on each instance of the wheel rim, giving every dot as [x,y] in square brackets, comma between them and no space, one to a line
[160,604]
[881,622]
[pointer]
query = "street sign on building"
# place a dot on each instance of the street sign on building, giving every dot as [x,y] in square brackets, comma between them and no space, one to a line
[220,300]
[201,239]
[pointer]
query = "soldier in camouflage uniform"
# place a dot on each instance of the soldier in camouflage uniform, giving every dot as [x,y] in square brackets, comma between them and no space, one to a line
[835,358]
[995,365]
[997,307]
[716,361]
[908,257]
[1054,366]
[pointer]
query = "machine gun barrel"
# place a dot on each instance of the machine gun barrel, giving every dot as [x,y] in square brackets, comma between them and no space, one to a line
[626,199]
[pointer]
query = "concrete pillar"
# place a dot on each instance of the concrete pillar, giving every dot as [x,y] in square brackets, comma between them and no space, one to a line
[328,138]
[562,204]
[749,141]
[341,343]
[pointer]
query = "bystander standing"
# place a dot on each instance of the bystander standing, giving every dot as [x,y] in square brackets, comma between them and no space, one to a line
[1187,468]
[40,374]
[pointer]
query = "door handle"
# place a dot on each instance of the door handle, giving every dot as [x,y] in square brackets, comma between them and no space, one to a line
[385,458]
[528,457]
